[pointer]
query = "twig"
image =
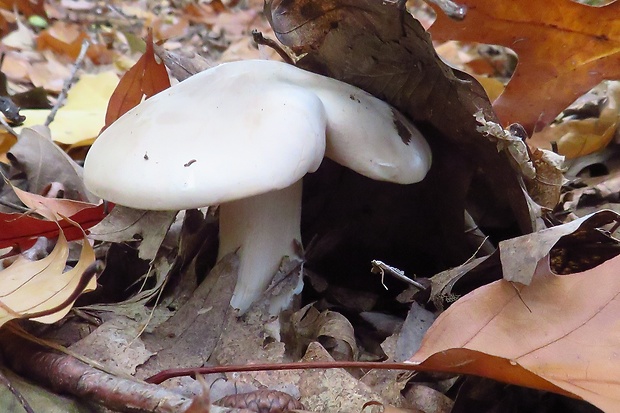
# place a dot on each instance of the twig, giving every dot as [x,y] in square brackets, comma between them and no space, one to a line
[381,268]
[378,365]
[451,9]
[4,380]
[65,89]
[67,374]
[14,206]
[8,127]
[262,40]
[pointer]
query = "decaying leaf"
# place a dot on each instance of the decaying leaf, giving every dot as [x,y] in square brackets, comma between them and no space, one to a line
[31,288]
[379,47]
[62,216]
[520,256]
[564,47]
[333,390]
[128,224]
[560,334]
[330,328]
[116,343]
[542,169]
[44,162]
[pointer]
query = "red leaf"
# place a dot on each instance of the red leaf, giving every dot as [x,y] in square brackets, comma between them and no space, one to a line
[22,230]
[145,78]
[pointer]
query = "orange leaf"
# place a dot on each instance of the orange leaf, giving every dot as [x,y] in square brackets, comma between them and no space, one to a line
[67,38]
[560,333]
[564,49]
[25,6]
[145,78]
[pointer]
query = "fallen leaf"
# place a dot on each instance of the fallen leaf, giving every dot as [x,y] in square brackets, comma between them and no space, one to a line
[44,162]
[410,337]
[29,8]
[32,287]
[21,230]
[79,121]
[565,48]
[579,137]
[560,334]
[330,328]
[26,7]
[49,74]
[116,343]
[128,224]
[360,43]
[145,79]
[21,39]
[427,399]
[66,38]
[520,256]
[332,390]
[53,209]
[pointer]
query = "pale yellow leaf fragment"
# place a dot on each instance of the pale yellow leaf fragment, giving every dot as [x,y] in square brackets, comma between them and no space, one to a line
[29,287]
[580,137]
[79,121]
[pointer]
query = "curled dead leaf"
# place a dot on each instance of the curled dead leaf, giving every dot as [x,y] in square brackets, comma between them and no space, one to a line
[42,290]
[560,334]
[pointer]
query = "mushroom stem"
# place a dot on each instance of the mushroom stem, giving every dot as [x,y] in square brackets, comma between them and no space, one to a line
[264,229]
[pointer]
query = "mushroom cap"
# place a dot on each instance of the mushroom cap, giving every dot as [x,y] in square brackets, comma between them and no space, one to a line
[218,136]
[371,137]
[245,128]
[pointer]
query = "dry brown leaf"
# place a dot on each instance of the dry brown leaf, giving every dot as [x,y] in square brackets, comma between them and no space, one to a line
[30,287]
[379,47]
[49,74]
[560,333]
[44,162]
[520,256]
[128,224]
[564,49]
[330,328]
[332,390]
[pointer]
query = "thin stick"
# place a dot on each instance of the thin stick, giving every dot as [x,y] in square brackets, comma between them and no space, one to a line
[65,89]
[378,365]
[4,380]
[265,41]
[8,127]
[381,268]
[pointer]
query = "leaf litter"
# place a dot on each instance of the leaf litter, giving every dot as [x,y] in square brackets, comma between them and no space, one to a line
[496,172]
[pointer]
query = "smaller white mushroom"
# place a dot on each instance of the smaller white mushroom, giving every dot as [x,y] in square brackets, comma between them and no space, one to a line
[242,135]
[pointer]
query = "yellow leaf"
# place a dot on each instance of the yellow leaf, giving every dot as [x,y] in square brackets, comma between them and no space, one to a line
[28,287]
[581,137]
[491,85]
[79,121]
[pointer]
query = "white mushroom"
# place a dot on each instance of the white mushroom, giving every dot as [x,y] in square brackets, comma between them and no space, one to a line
[242,135]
